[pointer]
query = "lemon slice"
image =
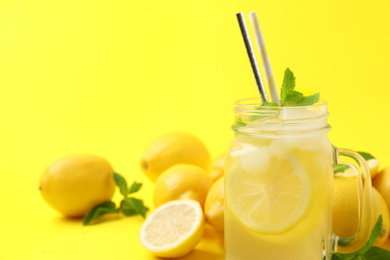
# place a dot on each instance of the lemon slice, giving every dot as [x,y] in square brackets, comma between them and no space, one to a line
[173,229]
[272,200]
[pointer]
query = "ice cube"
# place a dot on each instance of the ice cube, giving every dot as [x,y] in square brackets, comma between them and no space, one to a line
[282,146]
[297,113]
[253,159]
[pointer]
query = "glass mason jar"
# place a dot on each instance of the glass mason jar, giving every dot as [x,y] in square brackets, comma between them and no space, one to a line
[278,185]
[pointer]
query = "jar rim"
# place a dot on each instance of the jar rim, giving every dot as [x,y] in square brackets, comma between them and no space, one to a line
[252,117]
[241,103]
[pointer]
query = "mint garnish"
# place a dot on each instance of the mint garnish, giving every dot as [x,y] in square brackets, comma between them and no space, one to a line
[270,104]
[133,206]
[99,210]
[121,183]
[289,96]
[342,167]
[128,206]
[366,156]
[367,252]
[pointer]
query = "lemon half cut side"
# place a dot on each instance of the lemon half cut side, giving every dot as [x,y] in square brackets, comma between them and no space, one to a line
[173,229]
[273,200]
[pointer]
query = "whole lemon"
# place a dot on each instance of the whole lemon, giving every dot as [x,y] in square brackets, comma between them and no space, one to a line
[345,206]
[386,244]
[182,181]
[382,183]
[214,207]
[380,208]
[171,149]
[74,184]
[217,167]
[345,209]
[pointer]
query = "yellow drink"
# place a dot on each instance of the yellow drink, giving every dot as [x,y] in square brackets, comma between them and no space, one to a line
[278,181]
[278,198]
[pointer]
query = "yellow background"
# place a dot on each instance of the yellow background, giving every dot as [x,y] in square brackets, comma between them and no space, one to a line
[107,77]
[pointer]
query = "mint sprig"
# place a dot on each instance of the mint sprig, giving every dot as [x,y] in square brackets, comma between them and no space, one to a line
[368,251]
[270,104]
[99,210]
[290,97]
[128,206]
[366,156]
[342,167]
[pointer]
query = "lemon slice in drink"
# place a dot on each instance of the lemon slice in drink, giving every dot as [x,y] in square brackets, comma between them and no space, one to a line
[272,200]
[173,229]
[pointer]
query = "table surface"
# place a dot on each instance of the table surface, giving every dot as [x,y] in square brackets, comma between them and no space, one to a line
[30,229]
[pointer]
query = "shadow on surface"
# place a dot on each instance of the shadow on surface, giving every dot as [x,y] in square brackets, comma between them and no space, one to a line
[197,254]
[104,218]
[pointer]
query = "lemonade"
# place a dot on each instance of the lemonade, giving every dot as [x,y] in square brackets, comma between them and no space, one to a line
[280,211]
[278,184]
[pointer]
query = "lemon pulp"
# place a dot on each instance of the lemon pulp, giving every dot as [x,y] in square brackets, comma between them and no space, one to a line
[173,229]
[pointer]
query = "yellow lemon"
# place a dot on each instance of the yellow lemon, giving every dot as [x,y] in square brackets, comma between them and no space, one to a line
[373,165]
[270,201]
[386,244]
[345,209]
[74,184]
[171,149]
[345,206]
[217,167]
[182,181]
[214,207]
[380,208]
[382,183]
[173,229]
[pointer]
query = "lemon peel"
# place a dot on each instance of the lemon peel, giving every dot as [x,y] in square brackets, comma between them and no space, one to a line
[171,149]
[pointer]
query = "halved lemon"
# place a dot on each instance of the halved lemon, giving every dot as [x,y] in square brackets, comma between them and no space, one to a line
[173,229]
[273,199]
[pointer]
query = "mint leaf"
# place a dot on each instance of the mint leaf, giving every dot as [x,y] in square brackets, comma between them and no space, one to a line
[134,187]
[133,206]
[377,253]
[340,168]
[376,231]
[291,97]
[288,85]
[98,211]
[239,124]
[127,208]
[121,183]
[269,104]
[366,156]
[338,256]
[367,252]
[309,100]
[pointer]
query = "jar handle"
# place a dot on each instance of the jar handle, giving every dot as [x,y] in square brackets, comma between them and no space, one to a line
[365,205]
